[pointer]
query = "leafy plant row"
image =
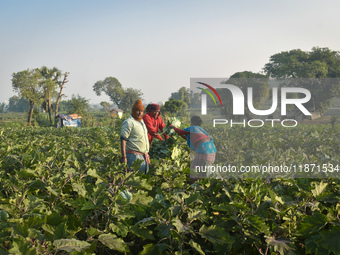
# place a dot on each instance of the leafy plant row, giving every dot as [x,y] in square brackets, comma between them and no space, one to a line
[64,191]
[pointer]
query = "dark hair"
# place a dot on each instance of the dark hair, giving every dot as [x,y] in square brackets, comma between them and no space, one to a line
[196,121]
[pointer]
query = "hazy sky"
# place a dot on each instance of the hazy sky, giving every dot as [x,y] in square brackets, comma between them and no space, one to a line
[153,45]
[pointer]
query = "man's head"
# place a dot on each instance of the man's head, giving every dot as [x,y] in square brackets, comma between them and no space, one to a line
[154,108]
[138,110]
[196,121]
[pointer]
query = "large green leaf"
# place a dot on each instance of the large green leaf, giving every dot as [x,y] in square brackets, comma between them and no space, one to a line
[142,232]
[281,246]
[60,231]
[113,242]
[180,226]
[125,194]
[21,246]
[330,240]
[194,197]
[79,188]
[93,232]
[313,245]
[176,152]
[259,224]
[70,245]
[312,224]
[164,230]
[214,234]
[319,188]
[3,215]
[154,249]
[119,228]
[197,247]
[141,198]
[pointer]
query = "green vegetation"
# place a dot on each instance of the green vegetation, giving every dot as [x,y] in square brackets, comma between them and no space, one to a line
[316,70]
[37,86]
[123,98]
[65,191]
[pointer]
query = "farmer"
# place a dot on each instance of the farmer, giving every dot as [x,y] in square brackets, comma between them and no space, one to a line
[134,138]
[200,142]
[154,122]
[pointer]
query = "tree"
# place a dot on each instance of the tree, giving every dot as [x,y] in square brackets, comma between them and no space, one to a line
[244,80]
[173,106]
[49,85]
[195,99]
[78,105]
[2,107]
[131,96]
[28,84]
[111,87]
[313,69]
[18,104]
[62,107]
[61,84]
[182,94]
[123,98]
[106,106]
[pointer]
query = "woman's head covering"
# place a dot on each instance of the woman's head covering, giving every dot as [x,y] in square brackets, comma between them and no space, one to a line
[153,107]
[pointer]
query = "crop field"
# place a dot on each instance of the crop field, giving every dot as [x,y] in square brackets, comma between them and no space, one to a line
[64,191]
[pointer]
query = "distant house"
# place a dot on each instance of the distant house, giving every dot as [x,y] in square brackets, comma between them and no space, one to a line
[116,113]
[71,120]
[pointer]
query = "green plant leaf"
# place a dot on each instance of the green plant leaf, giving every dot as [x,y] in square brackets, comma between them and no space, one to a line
[197,247]
[164,230]
[314,246]
[176,152]
[60,231]
[154,249]
[70,245]
[319,188]
[3,215]
[281,246]
[113,242]
[79,188]
[214,234]
[119,228]
[330,240]
[141,198]
[194,197]
[312,224]
[93,232]
[125,194]
[180,226]
[142,232]
[21,246]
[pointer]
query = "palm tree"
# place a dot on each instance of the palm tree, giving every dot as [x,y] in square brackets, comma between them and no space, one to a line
[50,83]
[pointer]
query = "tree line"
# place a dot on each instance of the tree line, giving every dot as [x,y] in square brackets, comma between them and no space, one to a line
[38,85]
[317,70]
[321,66]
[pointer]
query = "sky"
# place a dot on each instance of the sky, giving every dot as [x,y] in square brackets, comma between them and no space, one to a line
[153,45]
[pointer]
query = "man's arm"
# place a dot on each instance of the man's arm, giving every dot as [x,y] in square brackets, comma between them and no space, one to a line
[124,134]
[123,150]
